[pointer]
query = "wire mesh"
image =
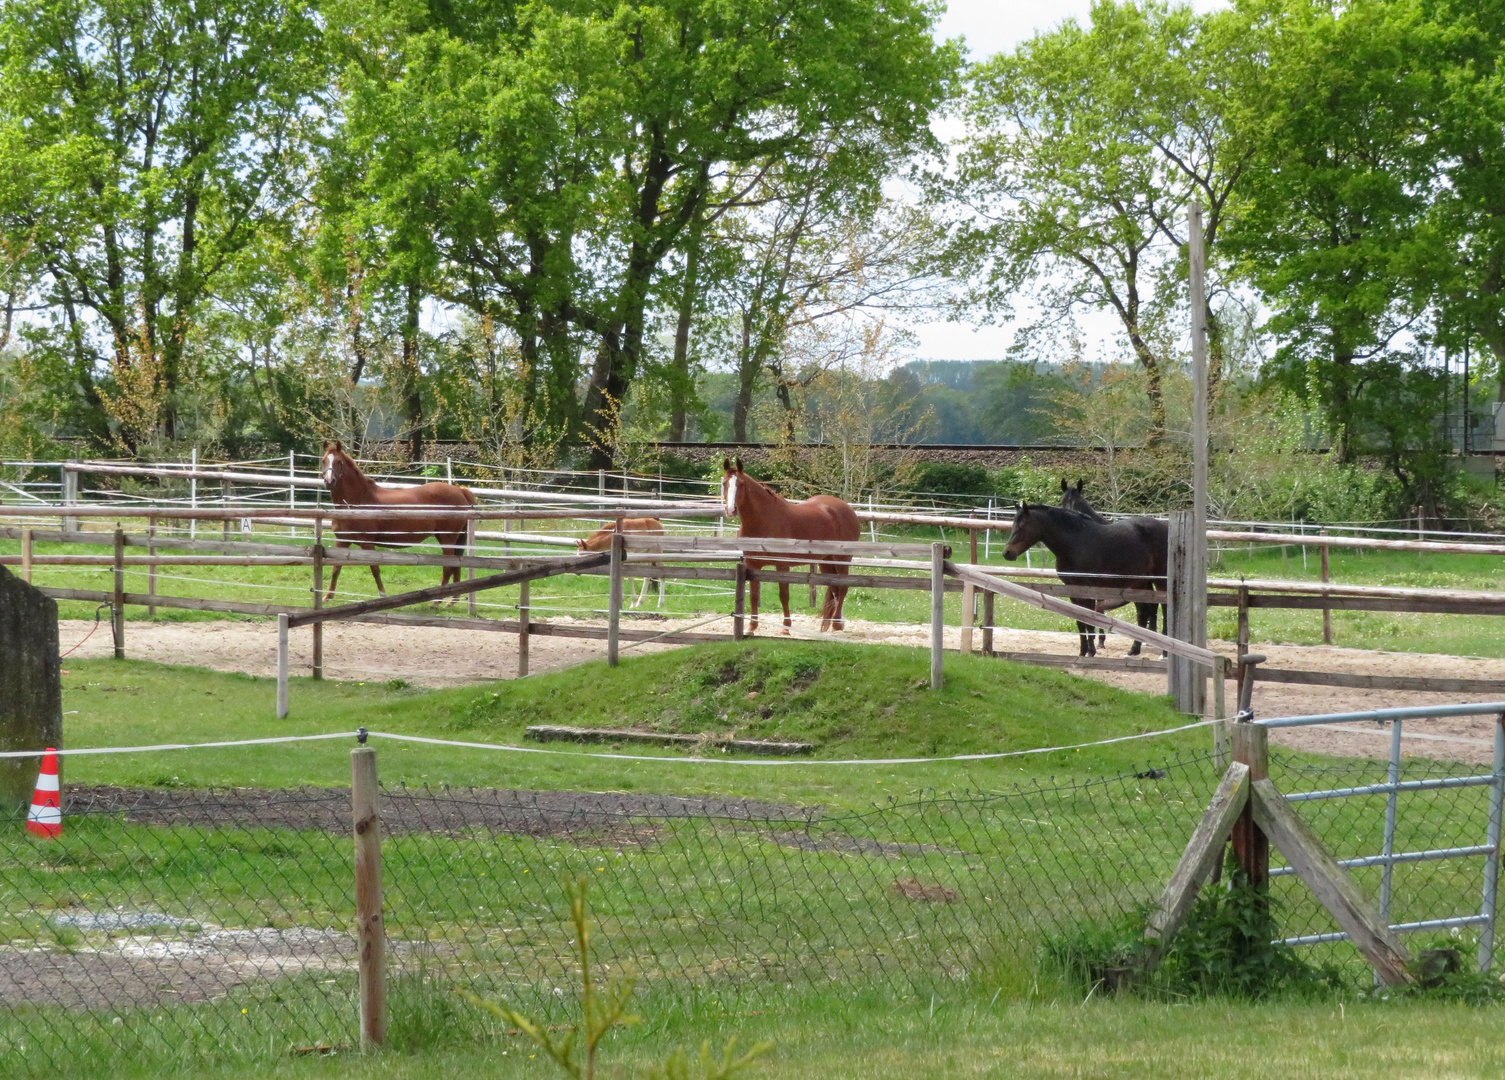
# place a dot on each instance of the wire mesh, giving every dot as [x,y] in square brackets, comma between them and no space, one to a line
[171,922]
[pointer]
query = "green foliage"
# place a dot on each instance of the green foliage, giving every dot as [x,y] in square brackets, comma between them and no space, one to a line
[1226,947]
[947,478]
[603,1008]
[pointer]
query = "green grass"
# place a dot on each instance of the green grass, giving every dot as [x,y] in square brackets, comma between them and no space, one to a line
[854,700]
[835,1036]
[962,994]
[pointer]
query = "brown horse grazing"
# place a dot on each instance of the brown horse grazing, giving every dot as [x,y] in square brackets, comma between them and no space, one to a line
[353,489]
[600,540]
[763,512]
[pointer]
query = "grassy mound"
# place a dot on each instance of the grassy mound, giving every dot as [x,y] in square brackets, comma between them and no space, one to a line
[854,701]
[851,700]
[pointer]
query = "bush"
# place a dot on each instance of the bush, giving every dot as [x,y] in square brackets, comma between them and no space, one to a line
[949,478]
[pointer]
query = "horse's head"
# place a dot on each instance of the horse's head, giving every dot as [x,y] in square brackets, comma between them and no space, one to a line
[1024,535]
[732,478]
[1072,497]
[334,463]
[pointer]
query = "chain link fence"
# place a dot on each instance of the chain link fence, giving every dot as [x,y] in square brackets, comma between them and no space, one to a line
[174,924]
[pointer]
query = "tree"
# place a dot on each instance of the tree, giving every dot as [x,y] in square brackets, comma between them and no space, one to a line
[143,145]
[1083,149]
[559,153]
[1329,222]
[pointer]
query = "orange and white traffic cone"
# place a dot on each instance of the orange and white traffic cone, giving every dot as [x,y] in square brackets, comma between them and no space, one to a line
[45,818]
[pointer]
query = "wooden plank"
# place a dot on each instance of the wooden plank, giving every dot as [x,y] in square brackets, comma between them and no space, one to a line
[775,545]
[1357,542]
[564,733]
[1331,884]
[440,592]
[1100,663]
[1071,611]
[1419,605]
[117,613]
[1432,684]
[1202,853]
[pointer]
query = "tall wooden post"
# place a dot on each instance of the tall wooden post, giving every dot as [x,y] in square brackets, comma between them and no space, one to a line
[70,495]
[26,556]
[1196,578]
[987,624]
[739,605]
[318,627]
[282,665]
[1186,681]
[227,492]
[470,572]
[1250,845]
[151,568]
[117,617]
[937,614]
[1327,612]
[614,601]
[522,630]
[371,934]
[969,600]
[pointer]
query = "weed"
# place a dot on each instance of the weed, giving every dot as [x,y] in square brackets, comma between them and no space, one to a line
[603,1008]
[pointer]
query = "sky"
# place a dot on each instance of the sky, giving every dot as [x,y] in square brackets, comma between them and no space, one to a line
[990,26]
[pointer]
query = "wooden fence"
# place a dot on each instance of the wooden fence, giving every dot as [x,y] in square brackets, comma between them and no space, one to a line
[662,553]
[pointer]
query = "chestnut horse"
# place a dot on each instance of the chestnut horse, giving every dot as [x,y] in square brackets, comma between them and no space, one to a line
[600,540]
[763,512]
[353,489]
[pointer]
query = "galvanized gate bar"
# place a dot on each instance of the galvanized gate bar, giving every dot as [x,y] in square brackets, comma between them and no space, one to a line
[1379,716]
[1492,867]
[1399,928]
[1401,785]
[1402,857]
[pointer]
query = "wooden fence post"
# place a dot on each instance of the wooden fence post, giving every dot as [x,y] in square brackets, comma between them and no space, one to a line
[614,601]
[318,627]
[371,935]
[1186,682]
[969,601]
[739,605]
[1251,747]
[117,617]
[227,492]
[282,665]
[937,614]
[26,556]
[151,569]
[522,629]
[987,624]
[470,573]
[1327,613]
[70,496]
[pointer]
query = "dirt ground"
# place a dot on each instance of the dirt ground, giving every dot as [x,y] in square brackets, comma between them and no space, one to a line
[434,657]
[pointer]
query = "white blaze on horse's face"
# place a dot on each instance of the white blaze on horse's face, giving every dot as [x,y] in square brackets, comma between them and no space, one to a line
[729,493]
[329,469]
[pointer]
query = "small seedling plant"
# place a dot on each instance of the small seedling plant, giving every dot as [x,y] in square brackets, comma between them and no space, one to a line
[604,1007]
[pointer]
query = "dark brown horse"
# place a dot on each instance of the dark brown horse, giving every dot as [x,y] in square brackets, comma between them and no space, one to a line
[411,522]
[1115,554]
[1156,531]
[763,512]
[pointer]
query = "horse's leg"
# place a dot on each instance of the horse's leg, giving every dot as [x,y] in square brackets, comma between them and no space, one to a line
[334,574]
[454,549]
[1145,617]
[660,582]
[754,587]
[812,597]
[1085,631]
[375,570]
[784,602]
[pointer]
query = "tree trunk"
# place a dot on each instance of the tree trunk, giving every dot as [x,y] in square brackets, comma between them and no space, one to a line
[747,375]
[412,389]
[681,384]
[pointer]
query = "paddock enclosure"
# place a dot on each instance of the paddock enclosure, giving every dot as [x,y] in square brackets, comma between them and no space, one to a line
[186,918]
